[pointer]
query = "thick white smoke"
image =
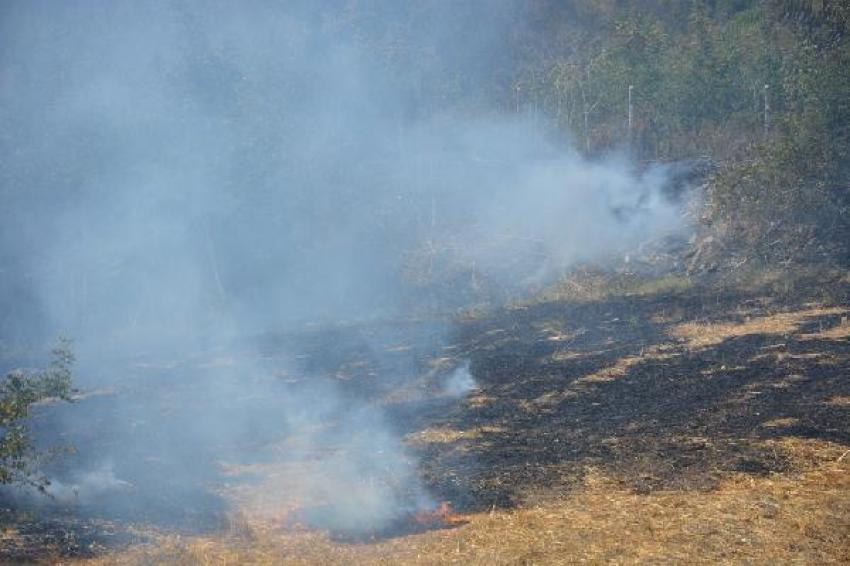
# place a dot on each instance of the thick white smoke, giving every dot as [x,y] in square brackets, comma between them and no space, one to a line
[182,177]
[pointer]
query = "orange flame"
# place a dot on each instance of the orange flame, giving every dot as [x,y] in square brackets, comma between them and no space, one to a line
[439,516]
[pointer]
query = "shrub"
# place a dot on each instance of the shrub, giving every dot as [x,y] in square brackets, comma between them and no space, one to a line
[20,391]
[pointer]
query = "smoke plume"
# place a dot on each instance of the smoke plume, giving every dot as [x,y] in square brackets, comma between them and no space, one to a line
[187,184]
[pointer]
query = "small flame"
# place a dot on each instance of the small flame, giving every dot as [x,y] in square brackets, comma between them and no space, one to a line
[291,517]
[441,515]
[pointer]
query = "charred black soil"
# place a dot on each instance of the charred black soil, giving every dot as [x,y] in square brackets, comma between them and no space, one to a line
[674,391]
[663,392]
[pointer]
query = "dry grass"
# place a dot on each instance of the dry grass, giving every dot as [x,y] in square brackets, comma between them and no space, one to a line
[701,335]
[839,400]
[840,331]
[781,422]
[795,518]
[621,367]
[447,435]
[609,373]
[614,444]
[590,285]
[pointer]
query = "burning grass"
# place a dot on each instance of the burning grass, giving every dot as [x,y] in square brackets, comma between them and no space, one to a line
[634,429]
[779,518]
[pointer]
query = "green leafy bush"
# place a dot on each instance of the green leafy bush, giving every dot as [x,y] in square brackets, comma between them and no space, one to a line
[20,391]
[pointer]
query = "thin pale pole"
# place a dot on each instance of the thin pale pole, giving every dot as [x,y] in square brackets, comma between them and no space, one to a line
[631,88]
[766,110]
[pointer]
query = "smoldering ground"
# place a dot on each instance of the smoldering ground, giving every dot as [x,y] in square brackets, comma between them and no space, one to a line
[185,178]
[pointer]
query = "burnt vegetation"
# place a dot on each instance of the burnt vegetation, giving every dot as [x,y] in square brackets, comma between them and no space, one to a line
[621,385]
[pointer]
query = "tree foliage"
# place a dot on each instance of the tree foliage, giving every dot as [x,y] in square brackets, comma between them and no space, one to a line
[20,391]
[761,87]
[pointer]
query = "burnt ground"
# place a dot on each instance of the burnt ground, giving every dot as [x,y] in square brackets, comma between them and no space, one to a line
[659,392]
[670,391]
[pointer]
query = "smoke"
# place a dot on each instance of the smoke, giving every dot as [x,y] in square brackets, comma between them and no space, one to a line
[88,485]
[460,381]
[183,178]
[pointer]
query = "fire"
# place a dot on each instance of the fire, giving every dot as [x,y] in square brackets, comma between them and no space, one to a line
[296,516]
[291,517]
[441,515]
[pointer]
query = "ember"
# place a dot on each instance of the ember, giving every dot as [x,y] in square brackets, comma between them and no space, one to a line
[440,516]
[298,517]
[292,517]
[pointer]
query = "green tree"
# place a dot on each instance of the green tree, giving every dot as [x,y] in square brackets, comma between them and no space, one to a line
[20,391]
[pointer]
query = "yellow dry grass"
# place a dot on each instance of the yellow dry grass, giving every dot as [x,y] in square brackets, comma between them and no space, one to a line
[781,422]
[780,519]
[621,366]
[797,516]
[447,435]
[702,335]
[608,373]
[837,332]
[839,400]
[590,286]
